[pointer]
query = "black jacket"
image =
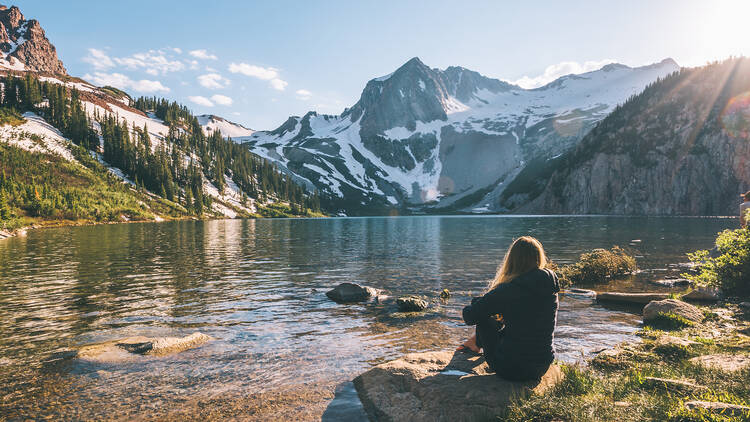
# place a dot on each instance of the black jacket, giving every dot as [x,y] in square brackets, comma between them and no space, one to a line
[528,305]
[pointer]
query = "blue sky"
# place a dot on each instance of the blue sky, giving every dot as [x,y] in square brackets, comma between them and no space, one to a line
[257,62]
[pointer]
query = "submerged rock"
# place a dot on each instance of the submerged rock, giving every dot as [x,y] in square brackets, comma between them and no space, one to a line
[671,306]
[350,292]
[703,294]
[445,294]
[442,386]
[128,349]
[411,304]
[728,363]
[579,293]
[630,298]
[720,408]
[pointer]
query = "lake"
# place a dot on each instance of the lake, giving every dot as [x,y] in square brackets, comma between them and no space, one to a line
[257,287]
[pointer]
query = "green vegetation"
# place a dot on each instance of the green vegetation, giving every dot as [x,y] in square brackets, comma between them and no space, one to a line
[730,269]
[669,321]
[37,187]
[615,386]
[10,117]
[597,266]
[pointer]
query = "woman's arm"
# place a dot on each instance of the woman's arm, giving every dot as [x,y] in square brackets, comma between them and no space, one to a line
[492,303]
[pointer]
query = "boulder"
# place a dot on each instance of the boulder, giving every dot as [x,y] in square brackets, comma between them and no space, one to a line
[672,385]
[442,386]
[350,292]
[703,294]
[630,298]
[725,409]
[133,348]
[579,293]
[745,306]
[728,363]
[671,306]
[411,304]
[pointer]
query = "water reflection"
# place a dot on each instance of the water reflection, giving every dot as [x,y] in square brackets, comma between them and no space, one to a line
[258,288]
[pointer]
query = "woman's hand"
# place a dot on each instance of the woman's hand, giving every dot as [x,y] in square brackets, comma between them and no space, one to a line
[471,343]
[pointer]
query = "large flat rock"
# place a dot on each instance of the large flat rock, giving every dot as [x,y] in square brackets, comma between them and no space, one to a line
[441,386]
[133,348]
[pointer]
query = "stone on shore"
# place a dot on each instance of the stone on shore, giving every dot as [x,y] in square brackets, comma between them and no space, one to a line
[442,386]
[653,310]
[630,298]
[724,362]
[703,294]
[132,348]
[411,304]
[720,408]
[350,292]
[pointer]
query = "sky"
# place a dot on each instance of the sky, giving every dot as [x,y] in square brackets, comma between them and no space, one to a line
[258,62]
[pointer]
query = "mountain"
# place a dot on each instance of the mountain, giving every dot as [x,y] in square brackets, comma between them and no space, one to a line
[228,129]
[24,45]
[72,151]
[681,147]
[431,140]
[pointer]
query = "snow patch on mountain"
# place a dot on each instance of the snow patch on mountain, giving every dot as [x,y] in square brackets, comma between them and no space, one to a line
[36,135]
[211,123]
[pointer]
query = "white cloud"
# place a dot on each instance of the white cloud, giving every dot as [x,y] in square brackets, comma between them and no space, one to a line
[213,81]
[197,99]
[221,100]
[555,71]
[99,59]
[303,94]
[264,73]
[278,84]
[118,80]
[152,62]
[202,55]
[177,50]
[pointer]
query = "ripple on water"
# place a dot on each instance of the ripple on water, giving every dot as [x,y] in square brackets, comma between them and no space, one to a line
[258,287]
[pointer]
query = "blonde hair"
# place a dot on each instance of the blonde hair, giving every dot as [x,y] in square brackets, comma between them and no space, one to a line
[525,254]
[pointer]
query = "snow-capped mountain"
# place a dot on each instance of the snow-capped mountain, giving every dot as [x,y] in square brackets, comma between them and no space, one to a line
[23,45]
[452,139]
[211,123]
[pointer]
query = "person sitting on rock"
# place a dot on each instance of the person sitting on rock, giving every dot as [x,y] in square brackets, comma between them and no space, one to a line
[744,208]
[515,320]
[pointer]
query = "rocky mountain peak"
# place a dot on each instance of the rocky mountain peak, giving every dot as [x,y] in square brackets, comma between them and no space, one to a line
[24,45]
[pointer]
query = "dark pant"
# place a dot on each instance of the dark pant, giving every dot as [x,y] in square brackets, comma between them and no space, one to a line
[490,339]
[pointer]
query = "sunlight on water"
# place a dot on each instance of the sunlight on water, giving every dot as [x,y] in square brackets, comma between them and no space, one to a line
[258,288]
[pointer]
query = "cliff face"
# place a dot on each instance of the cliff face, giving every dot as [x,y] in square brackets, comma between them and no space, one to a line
[682,147]
[24,45]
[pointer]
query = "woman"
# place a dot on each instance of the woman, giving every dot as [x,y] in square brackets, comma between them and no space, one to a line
[516,318]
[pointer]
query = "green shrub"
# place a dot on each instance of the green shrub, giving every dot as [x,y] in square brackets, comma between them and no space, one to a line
[730,270]
[597,266]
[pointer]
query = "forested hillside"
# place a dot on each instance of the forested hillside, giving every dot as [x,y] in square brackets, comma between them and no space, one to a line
[681,147]
[170,175]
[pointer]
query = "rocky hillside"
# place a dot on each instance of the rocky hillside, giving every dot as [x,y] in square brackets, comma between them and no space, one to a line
[431,140]
[681,147]
[24,45]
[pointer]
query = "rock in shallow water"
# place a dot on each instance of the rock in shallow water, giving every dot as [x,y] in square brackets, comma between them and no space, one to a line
[671,306]
[630,298]
[350,292]
[129,349]
[411,304]
[428,387]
